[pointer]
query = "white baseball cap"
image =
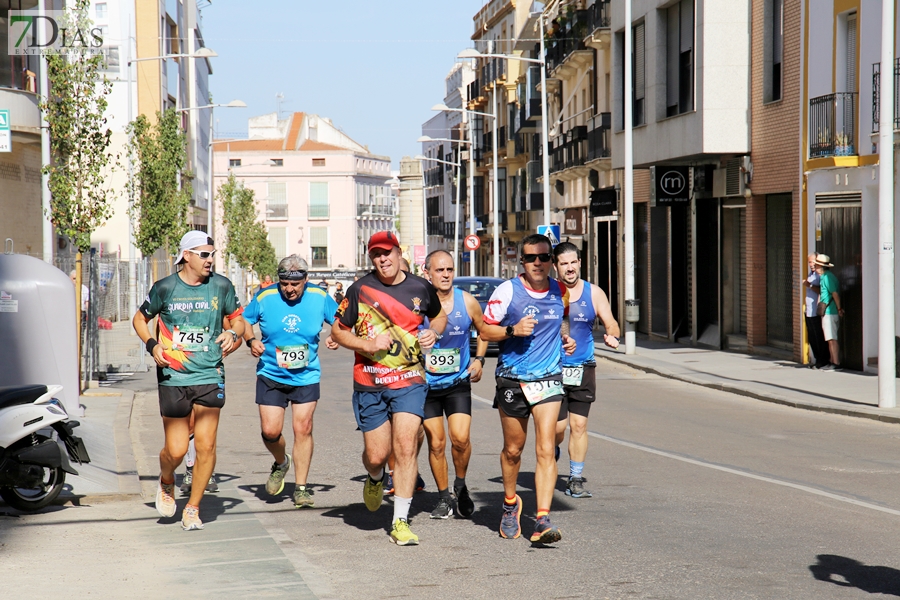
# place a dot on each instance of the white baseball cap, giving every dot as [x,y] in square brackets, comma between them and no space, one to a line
[190,240]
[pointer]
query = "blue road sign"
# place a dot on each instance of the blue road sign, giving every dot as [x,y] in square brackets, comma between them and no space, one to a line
[551,231]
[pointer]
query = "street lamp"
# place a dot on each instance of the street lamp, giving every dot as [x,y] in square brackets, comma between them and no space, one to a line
[496,231]
[545,146]
[209,202]
[458,164]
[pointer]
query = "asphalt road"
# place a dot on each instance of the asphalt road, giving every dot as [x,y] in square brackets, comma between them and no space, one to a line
[697,494]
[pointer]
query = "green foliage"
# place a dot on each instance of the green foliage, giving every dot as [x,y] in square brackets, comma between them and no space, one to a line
[246,240]
[158,208]
[79,139]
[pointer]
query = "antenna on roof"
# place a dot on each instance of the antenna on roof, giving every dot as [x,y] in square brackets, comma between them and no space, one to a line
[279,98]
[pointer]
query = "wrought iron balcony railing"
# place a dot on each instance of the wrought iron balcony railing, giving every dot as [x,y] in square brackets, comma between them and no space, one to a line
[598,15]
[598,136]
[876,96]
[832,125]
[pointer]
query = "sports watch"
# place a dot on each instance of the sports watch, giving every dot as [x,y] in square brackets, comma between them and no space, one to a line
[509,330]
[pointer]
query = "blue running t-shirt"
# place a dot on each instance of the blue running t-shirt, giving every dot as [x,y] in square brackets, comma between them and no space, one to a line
[290,333]
[581,328]
[455,341]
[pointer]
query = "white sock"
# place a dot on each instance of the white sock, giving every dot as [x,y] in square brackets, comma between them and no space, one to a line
[401,508]
[191,455]
[378,477]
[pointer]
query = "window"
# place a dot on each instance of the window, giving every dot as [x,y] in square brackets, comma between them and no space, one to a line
[234,162]
[101,10]
[318,242]
[276,201]
[318,162]
[773,51]
[318,200]
[638,80]
[278,238]
[680,58]
[111,64]
[276,162]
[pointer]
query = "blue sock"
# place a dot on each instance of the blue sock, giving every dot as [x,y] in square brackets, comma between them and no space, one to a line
[575,468]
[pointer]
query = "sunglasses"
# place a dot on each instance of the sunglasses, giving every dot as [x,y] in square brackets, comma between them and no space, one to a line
[530,258]
[204,254]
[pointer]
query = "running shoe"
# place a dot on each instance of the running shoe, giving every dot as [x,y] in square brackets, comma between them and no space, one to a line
[212,485]
[420,483]
[509,522]
[187,480]
[302,498]
[373,493]
[190,518]
[443,509]
[276,478]
[464,505]
[401,535]
[545,532]
[389,484]
[165,498]
[575,488]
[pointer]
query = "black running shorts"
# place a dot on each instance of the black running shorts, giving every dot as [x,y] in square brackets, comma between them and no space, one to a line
[177,401]
[449,400]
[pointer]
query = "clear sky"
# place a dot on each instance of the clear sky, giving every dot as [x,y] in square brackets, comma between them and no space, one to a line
[374,68]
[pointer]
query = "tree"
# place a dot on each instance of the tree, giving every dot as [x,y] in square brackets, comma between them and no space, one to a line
[246,238]
[80,158]
[159,203]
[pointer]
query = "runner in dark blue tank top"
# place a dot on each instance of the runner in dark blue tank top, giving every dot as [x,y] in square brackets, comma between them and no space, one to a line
[587,302]
[449,372]
[526,316]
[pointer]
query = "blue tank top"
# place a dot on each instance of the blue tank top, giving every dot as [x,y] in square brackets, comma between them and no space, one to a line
[456,337]
[539,355]
[581,328]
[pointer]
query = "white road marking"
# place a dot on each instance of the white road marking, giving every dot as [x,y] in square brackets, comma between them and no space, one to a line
[240,539]
[238,562]
[700,463]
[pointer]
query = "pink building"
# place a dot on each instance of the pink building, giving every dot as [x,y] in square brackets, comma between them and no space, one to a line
[320,193]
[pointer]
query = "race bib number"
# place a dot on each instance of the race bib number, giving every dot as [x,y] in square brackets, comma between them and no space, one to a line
[535,391]
[442,361]
[573,375]
[293,357]
[190,339]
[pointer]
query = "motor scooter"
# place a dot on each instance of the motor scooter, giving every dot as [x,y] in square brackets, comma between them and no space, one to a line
[36,445]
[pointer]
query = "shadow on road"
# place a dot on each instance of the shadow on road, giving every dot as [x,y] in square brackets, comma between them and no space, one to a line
[212,505]
[848,572]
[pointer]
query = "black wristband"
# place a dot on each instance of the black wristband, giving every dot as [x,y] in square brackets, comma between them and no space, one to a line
[250,342]
[150,345]
[481,358]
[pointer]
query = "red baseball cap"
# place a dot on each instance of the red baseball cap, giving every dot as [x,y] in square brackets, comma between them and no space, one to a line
[384,240]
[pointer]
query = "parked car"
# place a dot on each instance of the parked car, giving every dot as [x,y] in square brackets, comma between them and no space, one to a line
[481,288]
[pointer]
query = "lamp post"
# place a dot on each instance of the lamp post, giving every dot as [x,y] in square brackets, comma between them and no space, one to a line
[209,202]
[466,112]
[458,165]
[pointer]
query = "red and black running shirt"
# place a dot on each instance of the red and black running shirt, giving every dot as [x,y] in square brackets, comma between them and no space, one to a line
[371,308]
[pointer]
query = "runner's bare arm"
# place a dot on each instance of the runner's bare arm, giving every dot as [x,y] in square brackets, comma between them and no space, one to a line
[139,322]
[348,339]
[604,313]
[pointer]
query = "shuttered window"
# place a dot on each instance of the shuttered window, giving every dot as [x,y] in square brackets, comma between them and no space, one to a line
[278,237]
[851,54]
[318,242]
[276,201]
[318,200]
[639,75]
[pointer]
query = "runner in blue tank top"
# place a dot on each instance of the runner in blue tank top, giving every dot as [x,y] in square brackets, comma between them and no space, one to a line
[526,316]
[449,373]
[290,317]
[586,303]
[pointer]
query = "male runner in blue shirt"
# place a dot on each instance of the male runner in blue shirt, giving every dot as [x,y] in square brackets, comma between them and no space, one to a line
[290,317]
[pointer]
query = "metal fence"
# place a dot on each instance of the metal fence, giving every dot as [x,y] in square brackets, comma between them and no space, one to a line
[116,288]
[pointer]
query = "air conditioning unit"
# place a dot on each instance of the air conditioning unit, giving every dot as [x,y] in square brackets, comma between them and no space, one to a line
[729,182]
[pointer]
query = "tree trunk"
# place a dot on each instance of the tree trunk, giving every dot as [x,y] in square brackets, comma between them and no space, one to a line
[78,301]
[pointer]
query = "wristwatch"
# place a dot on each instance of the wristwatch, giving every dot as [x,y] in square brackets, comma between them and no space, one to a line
[481,358]
[250,342]
[509,331]
[234,336]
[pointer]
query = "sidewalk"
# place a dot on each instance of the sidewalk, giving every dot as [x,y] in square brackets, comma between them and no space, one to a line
[773,380]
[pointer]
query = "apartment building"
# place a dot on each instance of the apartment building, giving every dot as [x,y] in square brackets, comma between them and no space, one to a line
[320,193]
[692,139]
[583,184]
[840,122]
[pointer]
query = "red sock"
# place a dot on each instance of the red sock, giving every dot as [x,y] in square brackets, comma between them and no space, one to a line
[543,512]
[510,501]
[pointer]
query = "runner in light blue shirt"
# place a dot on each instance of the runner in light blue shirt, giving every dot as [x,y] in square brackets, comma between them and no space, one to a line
[290,318]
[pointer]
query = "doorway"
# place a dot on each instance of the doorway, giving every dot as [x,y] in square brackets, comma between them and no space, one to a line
[607,260]
[839,235]
[708,331]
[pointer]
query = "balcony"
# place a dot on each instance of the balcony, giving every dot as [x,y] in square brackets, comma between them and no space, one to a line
[570,149]
[832,125]
[374,211]
[876,95]
[567,38]
[473,92]
[598,15]
[598,137]
[493,69]
[319,211]
[534,195]
[501,137]
[276,211]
